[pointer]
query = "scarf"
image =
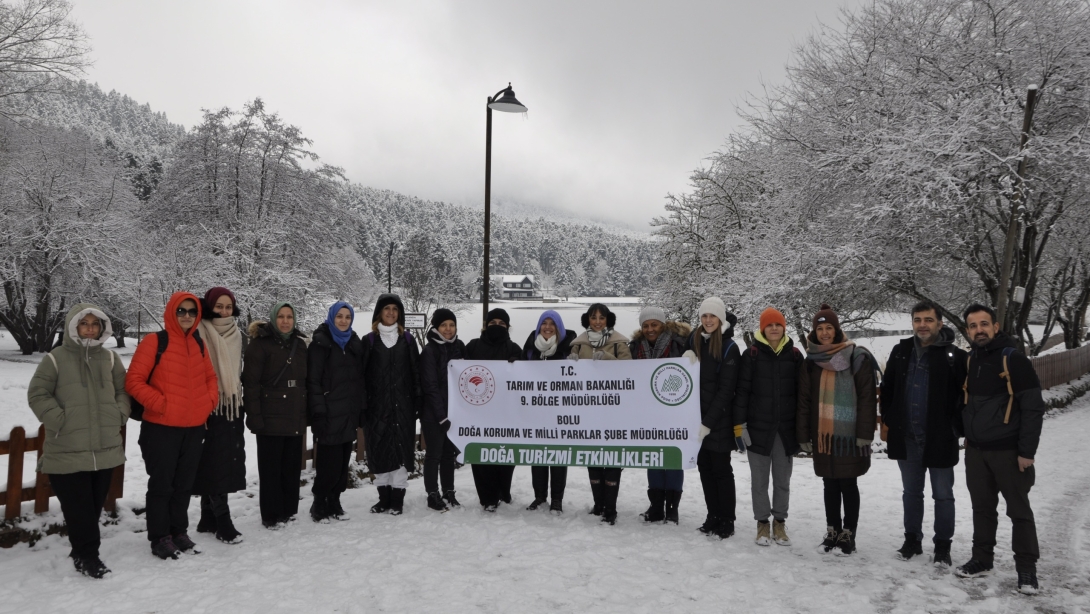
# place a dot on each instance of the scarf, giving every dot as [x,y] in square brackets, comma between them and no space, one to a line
[339,337]
[495,334]
[547,347]
[439,338]
[599,340]
[388,334]
[661,348]
[836,399]
[223,339]
[272,319]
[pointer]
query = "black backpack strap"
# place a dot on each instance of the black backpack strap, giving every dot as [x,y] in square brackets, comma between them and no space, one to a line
[200,342]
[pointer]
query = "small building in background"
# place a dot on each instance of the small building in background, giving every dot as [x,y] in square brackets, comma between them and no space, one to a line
[516,287]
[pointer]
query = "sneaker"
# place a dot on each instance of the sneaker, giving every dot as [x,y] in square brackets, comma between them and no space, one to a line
[724,529]
[436,502]
[183,543]
[451,500]
[556,507]
[165,549]
[974,569]
[93,567]
[845,543]
[942,553]
[1027,582]
[827,545]
[333,504]
[709,525]
[764,533]
[779,533]
[912,547]
[536,504]
[226,531]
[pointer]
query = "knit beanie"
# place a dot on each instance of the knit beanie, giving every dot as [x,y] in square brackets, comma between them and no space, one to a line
[652,313]
[498,314]
[772,316]
[442,315]
[714,305]
[826,315]
[214,295]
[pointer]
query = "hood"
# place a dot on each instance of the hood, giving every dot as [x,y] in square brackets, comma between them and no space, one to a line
[389,299]
[759,336]
[562,332]
[170,320]
[679,329]
[75,314]
[946,337]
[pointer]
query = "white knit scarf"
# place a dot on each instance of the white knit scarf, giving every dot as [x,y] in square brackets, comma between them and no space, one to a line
[547,347]
[599,340]
[223,340]
[388,334]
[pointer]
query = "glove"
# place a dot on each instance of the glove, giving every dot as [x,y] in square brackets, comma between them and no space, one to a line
[573,357]
[445,423]
[741,437]
[807,447]
[512,358]
[254,423]
[691,355]
[598,355]
[704,432]
[865,444]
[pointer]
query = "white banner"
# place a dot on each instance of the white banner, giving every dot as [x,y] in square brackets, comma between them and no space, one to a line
[587,413]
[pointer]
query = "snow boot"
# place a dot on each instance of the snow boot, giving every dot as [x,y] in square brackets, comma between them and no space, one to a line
[1027,580]
[845,543]
[827,545]
[319,510]
[436,502]
[764,533]
[596,492]
[974,569]
[451,500]
[779,533]
[91,566]
[725,529]
[673,499]
[397,501]
[709,525]
[383,504]
[657,511]
[609,501]
[536,504]
[557,507]
[183,543]
[942,553]
[207,523]
[226,531]
[165,548]
[912,547]
[333,504]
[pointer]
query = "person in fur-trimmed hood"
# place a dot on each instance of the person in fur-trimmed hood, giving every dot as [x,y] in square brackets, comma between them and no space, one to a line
[658,337]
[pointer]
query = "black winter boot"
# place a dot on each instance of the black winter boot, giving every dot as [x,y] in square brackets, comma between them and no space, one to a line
[397,501]
[319,511]
[225,530]
[845,543]
[92,567]
[333,504]
[451,500]
[535,504]
[710,523]
[596,492]
[673,499]
[436,502]
[911,547]
[942,553]
[609,501]
[657,511]
[383,504]
[207,523]
[557,506]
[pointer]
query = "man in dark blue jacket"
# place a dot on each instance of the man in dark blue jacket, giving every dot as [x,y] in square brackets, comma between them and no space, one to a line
[921,394]
[1001,422]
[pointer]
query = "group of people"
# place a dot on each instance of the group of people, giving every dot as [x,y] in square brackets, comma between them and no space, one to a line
[195,383]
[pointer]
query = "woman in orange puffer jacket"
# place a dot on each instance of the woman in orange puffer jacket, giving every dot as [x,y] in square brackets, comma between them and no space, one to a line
[178,391]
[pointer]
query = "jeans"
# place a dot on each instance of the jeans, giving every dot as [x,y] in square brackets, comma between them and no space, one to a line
[942,491]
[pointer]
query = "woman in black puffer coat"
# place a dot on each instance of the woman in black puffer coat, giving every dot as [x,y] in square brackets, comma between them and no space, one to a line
[335,404]
[549,341]
[392,379]
[766,403]
[443,346]
[493,482]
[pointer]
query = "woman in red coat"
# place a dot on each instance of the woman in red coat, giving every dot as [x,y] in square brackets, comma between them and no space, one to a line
[178,390]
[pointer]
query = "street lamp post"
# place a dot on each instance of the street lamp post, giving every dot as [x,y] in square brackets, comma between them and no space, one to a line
[505,101]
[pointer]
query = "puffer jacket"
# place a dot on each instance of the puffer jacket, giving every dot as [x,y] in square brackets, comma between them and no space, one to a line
[982,418]
[78,393]
[392,380]
[530,351]
[679,341]
[334,387]
[433,375]
[767,399]
[718,386]
[616,348]
[274,381]
[183,390]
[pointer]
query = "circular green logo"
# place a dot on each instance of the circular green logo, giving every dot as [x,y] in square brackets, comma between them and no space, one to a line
[671,384]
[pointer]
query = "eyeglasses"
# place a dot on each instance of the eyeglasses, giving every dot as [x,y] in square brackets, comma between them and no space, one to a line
[182,312]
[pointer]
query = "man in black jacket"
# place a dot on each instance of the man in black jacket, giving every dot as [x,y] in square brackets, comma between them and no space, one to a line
[1001,422]
[921,391]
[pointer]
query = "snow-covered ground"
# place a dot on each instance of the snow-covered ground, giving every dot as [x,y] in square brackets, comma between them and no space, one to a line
[514,560]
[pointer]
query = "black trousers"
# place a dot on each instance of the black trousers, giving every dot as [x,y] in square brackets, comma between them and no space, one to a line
[540,477]
[439,457]
[846,490]
[171,456]
[717,480]
[215,505]
[82,495]
[279,463]
[493,482]
[331,468]
[988,474]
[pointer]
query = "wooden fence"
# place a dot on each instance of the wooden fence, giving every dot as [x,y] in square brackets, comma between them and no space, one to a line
[1062,367]
[15,447]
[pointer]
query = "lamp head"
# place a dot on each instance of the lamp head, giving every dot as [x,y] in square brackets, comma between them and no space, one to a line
[507,102]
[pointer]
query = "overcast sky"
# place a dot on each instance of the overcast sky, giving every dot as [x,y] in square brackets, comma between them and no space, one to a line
[625,98]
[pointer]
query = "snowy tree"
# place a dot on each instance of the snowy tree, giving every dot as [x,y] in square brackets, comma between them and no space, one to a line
[40,46]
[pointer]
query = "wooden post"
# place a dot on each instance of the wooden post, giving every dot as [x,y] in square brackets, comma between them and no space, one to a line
[42,489]
[16,447]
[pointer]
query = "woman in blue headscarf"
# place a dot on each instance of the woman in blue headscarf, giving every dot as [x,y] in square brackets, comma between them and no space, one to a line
[335,406]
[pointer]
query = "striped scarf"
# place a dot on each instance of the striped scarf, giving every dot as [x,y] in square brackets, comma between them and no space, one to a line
[836,399]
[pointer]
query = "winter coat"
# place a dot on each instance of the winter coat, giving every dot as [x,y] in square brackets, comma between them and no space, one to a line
[806,425]
[334,387]
[530,351]
[718,386]
[767,398]
[433,375]
[616,348]
[680,332]
[392,381]
[480,349]
[274,381]
[222,468]
[78,393]
[945,375]
[982,418]
[183,389]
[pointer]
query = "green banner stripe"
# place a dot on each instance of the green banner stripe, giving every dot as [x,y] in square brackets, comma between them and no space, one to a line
[635,457]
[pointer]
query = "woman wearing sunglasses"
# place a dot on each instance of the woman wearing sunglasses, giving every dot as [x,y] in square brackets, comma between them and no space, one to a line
[178,390]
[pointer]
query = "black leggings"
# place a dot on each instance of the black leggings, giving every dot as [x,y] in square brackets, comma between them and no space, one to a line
[836,490]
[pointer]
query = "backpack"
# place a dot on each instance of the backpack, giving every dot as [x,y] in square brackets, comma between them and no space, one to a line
[161,338]
[1006,374]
